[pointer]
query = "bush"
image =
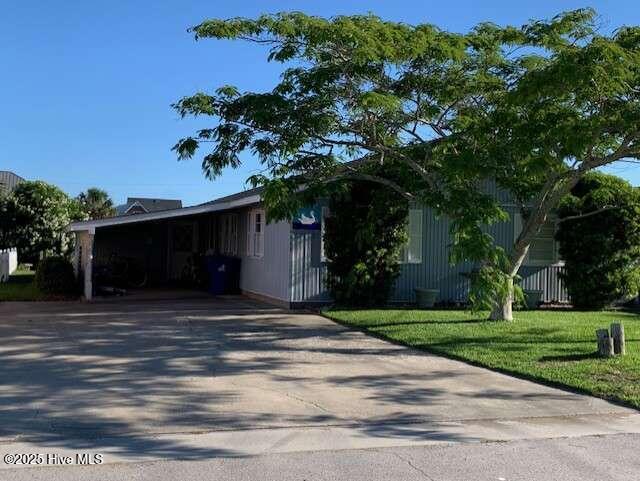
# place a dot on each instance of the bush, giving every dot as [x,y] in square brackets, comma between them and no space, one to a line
[602,250]
[363,239]
[55,276]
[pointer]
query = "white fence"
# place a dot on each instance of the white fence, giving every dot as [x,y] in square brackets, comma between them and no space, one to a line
[8,263]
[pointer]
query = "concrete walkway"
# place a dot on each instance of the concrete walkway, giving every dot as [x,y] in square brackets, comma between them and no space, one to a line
[198,379]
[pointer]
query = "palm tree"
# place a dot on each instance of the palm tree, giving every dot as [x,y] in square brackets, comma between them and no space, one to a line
[96,203]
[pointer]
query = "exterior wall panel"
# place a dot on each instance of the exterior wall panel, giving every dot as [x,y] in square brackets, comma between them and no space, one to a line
[435,271]
[267,275]
[308,273]
[547,279]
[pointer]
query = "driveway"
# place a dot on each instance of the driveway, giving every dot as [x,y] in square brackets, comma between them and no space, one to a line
[200,378]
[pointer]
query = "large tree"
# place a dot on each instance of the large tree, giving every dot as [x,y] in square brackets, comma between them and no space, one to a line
[96,203]
[34,219]
[533,108]
[570,109]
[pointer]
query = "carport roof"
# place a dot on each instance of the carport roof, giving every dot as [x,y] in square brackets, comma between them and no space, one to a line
[240,199]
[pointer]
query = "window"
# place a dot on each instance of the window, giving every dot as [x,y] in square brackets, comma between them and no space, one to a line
[544,248]
[228,234]
[255,233]
[412,251]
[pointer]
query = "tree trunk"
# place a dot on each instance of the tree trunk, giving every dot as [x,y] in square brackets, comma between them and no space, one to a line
[503,311]
[556,187]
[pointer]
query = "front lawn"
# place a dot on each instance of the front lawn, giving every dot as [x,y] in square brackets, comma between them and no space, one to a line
[556,347]
[20,287]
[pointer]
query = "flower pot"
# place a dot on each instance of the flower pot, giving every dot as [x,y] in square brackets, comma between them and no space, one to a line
[426,298]
[532,298]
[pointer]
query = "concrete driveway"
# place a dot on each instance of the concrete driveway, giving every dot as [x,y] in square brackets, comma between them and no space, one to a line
[198,378]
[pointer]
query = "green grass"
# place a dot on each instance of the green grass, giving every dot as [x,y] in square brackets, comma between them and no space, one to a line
[556,347]
[20,287]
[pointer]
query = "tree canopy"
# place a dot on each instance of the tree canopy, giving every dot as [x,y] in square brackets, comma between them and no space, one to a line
[532,108]
[96,203]
[34,219]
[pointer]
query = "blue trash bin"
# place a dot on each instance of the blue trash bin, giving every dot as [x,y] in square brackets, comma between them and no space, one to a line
[218,270]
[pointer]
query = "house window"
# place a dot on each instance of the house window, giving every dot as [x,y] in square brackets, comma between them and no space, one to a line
[255,233]
[544,248]
[228,234]
[412,251]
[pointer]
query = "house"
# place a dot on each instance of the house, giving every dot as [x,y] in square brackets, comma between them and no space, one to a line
[8,181]
[283,262]
[143,205]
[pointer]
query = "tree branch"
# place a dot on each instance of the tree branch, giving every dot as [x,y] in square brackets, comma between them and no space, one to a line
[373,178]
[413,133]
[588,214]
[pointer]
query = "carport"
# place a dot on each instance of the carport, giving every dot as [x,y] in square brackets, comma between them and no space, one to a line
[163,244]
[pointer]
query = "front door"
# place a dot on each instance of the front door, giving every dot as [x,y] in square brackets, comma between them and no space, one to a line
[182,245]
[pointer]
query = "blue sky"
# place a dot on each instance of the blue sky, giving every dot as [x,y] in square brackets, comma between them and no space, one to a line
[86,86]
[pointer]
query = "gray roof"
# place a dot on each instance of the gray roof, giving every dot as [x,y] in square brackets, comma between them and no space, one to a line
[237,196]
[148,205]
[243,199]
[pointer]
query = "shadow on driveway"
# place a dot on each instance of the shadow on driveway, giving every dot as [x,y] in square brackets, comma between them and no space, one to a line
[88,376]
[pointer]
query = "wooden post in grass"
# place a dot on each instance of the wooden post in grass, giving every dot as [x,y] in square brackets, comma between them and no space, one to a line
[617,333]
[605,343]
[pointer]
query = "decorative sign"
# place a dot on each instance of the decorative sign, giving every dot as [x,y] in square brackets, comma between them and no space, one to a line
[308,218]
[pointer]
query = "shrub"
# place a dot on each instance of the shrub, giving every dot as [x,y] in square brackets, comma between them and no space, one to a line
[364,236]
[601,250]
[55,276]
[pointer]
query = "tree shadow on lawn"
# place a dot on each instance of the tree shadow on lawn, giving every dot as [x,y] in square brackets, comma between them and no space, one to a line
[433,321]
[521,335]
[519,342]
[574,357]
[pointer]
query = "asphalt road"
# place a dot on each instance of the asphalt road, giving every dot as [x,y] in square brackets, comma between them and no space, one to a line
[589,458]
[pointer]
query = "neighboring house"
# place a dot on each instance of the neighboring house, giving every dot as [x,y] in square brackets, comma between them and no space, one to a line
[8,181]
[283,262]
[142,205]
